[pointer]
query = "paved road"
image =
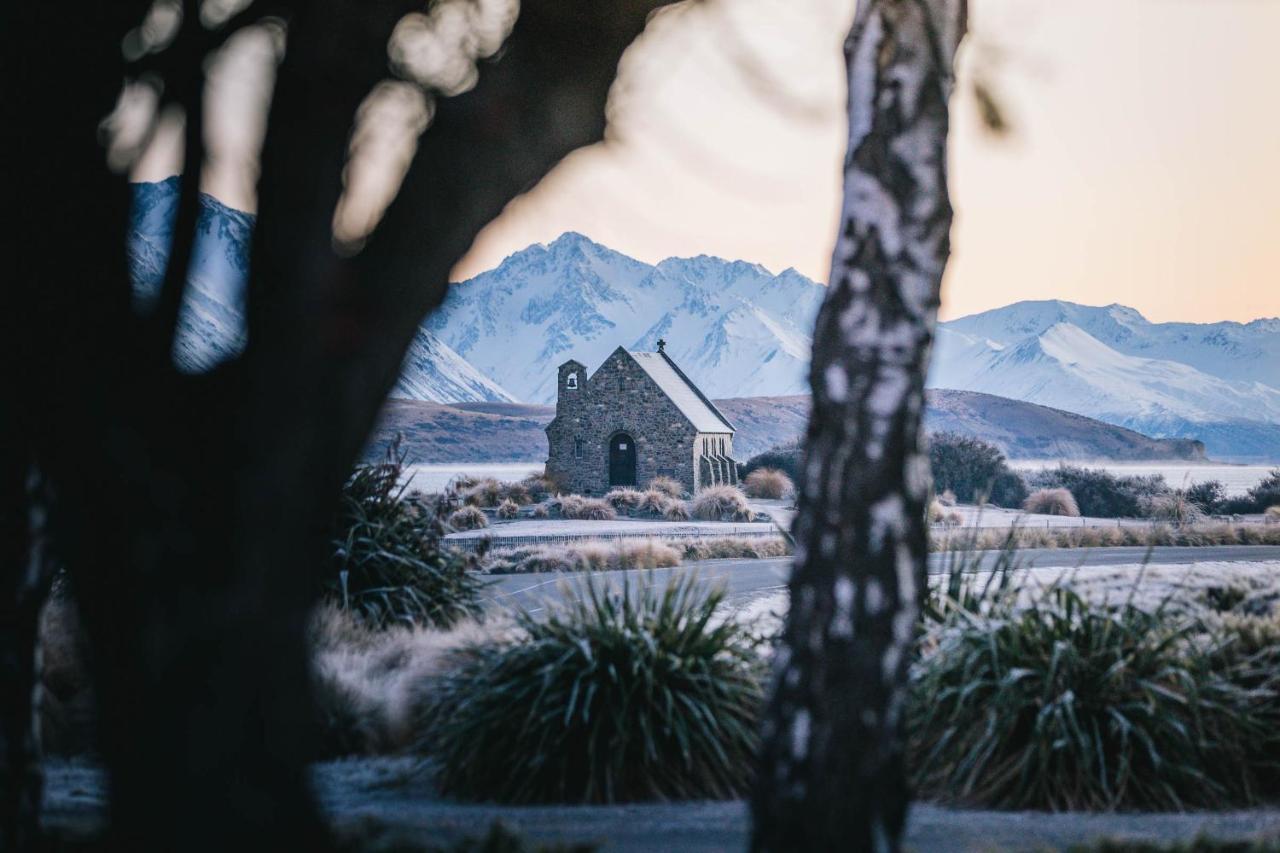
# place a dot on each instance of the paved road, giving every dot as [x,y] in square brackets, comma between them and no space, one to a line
[750,578]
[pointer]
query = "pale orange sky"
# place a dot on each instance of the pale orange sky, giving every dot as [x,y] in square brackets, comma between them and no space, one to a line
[1143,169]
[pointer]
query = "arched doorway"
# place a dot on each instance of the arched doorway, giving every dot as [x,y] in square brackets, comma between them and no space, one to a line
[622,460]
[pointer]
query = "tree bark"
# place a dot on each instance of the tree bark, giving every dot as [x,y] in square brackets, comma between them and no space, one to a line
[192,511]
[832,772]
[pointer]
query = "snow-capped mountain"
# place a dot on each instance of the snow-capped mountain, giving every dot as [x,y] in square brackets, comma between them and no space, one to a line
[1217,382]
[211,325]
[735,328]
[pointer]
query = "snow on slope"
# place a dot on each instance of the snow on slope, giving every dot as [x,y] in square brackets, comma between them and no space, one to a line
[734,327]
[1243,351]
[1028,352]
[211,325]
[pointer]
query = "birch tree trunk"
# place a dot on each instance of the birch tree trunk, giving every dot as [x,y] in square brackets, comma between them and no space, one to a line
[832,772]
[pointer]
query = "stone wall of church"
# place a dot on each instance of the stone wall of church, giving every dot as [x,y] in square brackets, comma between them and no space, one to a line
[619,397]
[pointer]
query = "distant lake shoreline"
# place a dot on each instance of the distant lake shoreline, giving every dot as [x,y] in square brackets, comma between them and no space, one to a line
[1235,479]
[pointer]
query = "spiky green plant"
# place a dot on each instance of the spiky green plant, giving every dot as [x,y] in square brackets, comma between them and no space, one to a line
[624,694]
[1062,703]
[389,561]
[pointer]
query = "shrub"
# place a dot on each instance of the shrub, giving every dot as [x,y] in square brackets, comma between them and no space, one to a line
[721,503]
[1265,494]
[390,564]
[1272,515]
[486,492]
[1101,494]
[1175,507]
[622,695]
[584,556]
[468,518]
[669,486]
[676,511]
[973,471]
[624,499]
[539,486]
[785,458]
[508,509]
[947,498]
[1052,502]
[768,483]
[589,509]
[1065,704]
[1210,495]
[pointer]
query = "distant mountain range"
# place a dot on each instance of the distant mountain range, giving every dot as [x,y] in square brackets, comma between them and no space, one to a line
[735,327]
[741,331]
[506,432]
[1219,382]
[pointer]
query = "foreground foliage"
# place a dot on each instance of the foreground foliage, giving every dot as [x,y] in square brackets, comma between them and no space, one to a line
[389,562]
[629,694]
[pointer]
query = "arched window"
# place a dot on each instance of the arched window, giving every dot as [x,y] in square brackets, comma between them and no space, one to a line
[571,381]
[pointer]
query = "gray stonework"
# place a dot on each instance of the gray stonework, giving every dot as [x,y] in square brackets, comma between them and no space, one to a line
[621,403]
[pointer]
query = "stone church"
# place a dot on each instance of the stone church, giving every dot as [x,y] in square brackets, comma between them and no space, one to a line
[637,417]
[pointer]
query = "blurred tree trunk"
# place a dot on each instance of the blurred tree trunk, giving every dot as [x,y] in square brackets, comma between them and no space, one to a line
[192,511]
[832,775]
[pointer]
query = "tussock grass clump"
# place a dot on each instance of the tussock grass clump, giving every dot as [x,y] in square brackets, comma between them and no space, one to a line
[366,681]
[653,503]
[484,493]
[936,513]
[507,510]
[583,556]
[540,511]
[734,547]
[1052,502]
[1111,537]
[768,484]
[586,509]
[390,564]
[1175,507]
[620,696]
[468,518]
[720,503]
[669,486]
[1272,515]
[1062,703]
[676,511]
[624,498]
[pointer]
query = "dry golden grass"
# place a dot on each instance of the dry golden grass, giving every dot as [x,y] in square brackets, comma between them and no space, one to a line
[669,486]
[1052,502]
[768,484]
[585,509]
[508,509]
[591,555]
[1141,536]
[468,518]
[720,503]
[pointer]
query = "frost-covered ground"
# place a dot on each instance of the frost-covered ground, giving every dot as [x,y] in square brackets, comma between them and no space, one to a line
[1182,586]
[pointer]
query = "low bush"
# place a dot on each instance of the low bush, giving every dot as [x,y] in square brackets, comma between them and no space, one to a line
[974,471]
[468,518]
[1052,502]
[1272,515]
[721,503]
[587,509]
[627,694]
[1265,494]
[733,547]
[624,499]
[676,511]
[653,503]
[1062,703]
[1210,496]
[1175,507]
[669,486]
[507,510]
[390,564]
[1100,493]
[785,458]
[583,556]
[768,484]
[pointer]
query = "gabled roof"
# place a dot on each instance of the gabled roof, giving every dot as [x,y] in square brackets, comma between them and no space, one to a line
[691,402]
